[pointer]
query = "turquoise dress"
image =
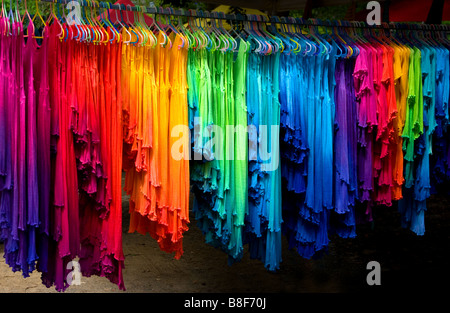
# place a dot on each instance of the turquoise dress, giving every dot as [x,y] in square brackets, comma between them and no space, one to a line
[263,221]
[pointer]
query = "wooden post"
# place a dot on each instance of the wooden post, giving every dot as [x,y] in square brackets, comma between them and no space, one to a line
[385,12]
[435,13]
[307,11]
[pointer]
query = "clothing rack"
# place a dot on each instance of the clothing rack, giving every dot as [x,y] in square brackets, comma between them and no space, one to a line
[253,18]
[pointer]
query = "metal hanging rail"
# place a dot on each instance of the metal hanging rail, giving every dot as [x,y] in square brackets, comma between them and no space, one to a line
[252,18]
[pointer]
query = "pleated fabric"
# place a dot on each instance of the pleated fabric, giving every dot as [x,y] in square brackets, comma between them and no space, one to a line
[306,142]
[219,170]
[439,159]
[156,140]
[264,218]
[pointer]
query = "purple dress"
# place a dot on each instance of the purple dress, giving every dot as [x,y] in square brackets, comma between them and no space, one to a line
[32,193]
[7,96]
[345,151]
[43,113]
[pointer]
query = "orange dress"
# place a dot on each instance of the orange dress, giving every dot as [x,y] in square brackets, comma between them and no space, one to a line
[158,183]
[401,66]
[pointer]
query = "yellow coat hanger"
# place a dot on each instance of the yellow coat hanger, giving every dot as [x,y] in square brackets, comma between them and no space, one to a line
[40,17]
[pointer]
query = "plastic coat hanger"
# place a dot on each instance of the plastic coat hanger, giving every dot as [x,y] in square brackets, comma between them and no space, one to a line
[11,17]
[93,35]
[176,31]
[184,31]
[333,40]
[160,26]
[129,26]
[288,44]
[97,25]
[27,14]
[293,41]
[51,15]
[277,42]
[9,23]
[360,37]
[3,15]
[222,41]
[203,42]
[393,37]
[290,32]
[216,38]
[310,47]
[169,22]
[209,42]
[57,17]
[139,27]
[232,44]
[221,38]
[235,32]
[230,38]
[132,28]
[348,38]
[253,37]
[267,48]
[326,45]
[81,32]
[264,48]
[342,46]
[442,35]
[196,42]
[313,39]
[16,12]
[61,18]
[125,26]
[116,34]
[101,28]
[156,24]
[433,35]
[91,26]
[202,31]
[65,26]
[266,39]
[86,34]
[151,37]
[354,37]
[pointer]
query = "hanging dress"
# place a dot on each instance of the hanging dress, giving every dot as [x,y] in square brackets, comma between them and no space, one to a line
[438,160]
[43,120]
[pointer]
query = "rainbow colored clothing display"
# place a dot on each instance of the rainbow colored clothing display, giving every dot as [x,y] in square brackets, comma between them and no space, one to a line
[298,134]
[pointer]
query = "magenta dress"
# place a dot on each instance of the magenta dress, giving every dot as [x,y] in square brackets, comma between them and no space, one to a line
[7,135]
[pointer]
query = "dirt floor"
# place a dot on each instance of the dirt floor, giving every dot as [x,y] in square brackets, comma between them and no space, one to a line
[408,262]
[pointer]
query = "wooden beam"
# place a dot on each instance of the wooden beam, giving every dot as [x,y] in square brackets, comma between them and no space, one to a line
[435,13]
[263,5]
[282,5]
[307,11]
[385,11]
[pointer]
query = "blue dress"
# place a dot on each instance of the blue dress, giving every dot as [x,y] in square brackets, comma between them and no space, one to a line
[439,164]
[263,221]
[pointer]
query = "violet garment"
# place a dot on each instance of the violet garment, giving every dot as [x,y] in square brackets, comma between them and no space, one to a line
[345,151]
